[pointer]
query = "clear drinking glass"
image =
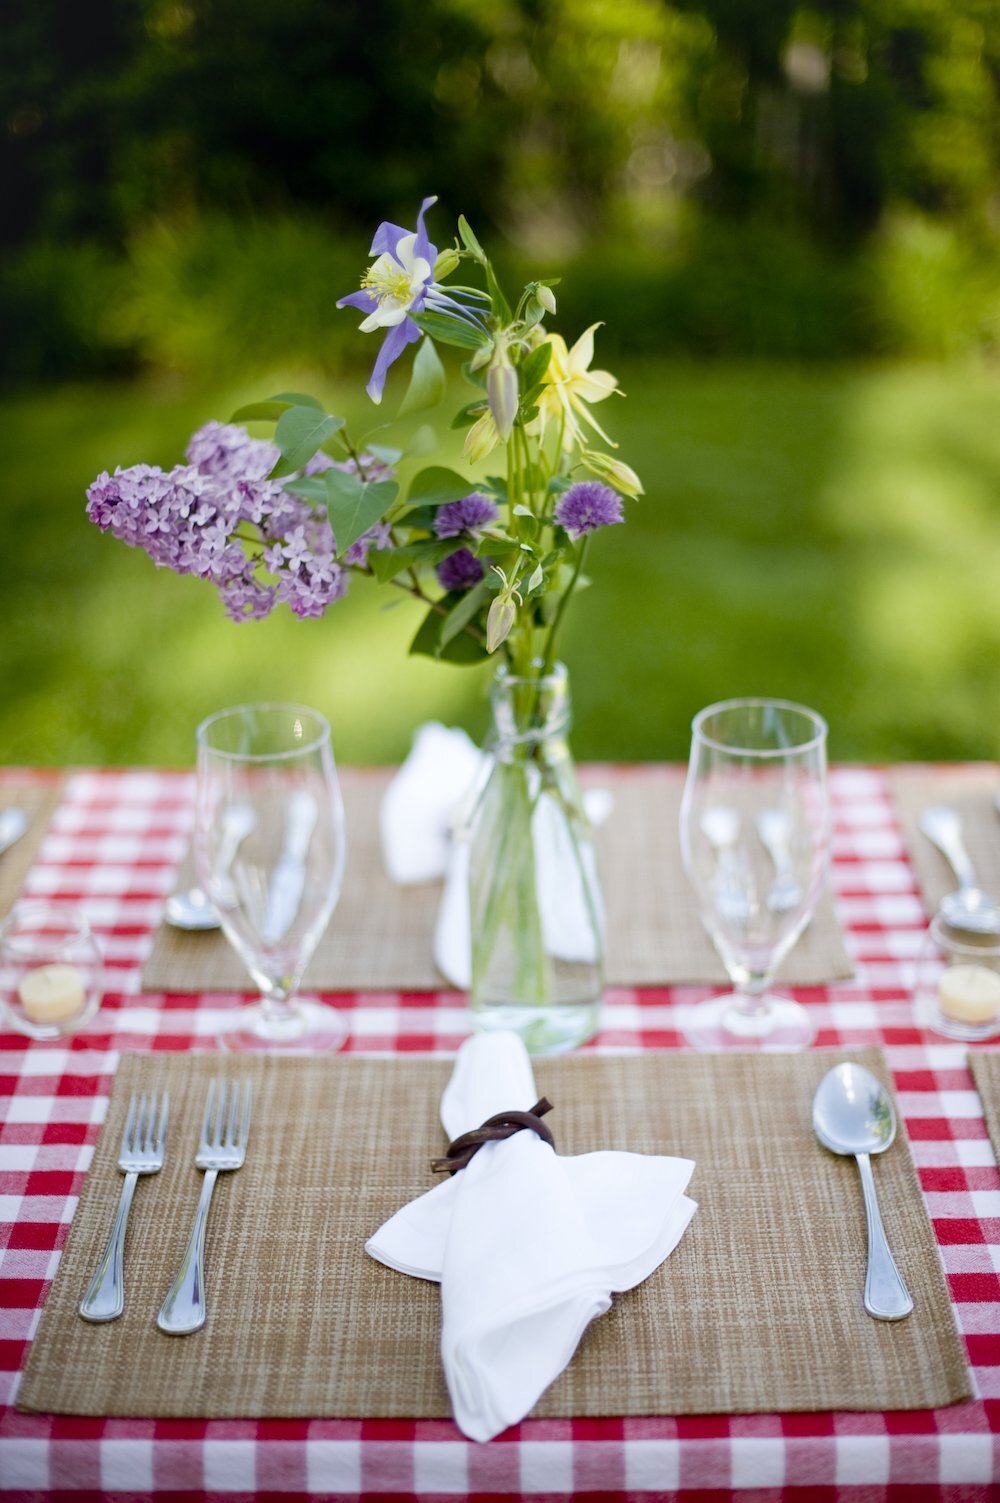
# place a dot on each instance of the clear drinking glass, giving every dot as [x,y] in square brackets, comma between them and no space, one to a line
[267,772]
[755,839]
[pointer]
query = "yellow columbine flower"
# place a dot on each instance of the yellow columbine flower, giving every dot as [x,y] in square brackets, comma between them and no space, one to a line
[570,385]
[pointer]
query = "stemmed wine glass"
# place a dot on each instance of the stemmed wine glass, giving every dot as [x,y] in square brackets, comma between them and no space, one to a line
[755,839]
[268,771]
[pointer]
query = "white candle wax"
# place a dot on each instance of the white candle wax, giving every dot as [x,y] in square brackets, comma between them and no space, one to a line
[969,994]
[52,993]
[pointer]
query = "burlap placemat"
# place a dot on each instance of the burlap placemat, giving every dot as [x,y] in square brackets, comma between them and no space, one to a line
[759,1308]
[969,791]
[985,1067]
[380,936]
[38,800]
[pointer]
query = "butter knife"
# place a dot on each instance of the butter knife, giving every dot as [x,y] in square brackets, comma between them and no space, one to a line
[13,823]
[287,884]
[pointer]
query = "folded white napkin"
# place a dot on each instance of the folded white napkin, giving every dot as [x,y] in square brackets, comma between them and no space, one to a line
[528,1245]
[423,823]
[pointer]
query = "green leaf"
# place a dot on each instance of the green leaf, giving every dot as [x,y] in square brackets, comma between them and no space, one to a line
[310,487]
[461,649]
[468,238]
[299,433]
[383,452]
[468,415]
[388,562]
[461,614]
[449,330]
[434,486]
[534,368]
[298,399]
[419,518]
[424,441]
[271,410]
[428,382]
[351,514]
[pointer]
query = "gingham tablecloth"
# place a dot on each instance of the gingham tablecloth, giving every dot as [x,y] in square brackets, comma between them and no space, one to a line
[112,849]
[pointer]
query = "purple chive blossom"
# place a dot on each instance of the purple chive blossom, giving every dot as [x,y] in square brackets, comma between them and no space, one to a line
[468,515]
[459,571]
[587,506]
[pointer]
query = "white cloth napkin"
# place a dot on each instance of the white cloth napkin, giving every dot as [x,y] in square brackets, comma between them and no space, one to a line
[424,833]
[528,1245]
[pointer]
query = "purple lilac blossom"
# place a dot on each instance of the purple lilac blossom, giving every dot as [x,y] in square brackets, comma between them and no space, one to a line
[587,506]
[459,571]
[379,536]
[467,515]
[227,452]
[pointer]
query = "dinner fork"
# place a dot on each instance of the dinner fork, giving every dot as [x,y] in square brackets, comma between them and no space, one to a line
[142,1149]
[222,1146]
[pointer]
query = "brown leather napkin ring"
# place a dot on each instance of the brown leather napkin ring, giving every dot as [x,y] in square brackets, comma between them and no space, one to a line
[494,1130]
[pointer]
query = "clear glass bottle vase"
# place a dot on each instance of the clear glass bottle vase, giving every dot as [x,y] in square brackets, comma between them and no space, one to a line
[536,908]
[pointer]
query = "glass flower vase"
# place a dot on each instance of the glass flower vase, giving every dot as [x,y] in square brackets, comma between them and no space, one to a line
[536,910]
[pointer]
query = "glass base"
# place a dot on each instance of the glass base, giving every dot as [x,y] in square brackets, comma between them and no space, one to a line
[308,1027]
[777,1025]
[544,1031]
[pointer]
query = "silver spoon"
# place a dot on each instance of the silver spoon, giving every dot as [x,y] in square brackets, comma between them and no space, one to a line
[13,823]
[970,908]
[853,1115]
[192,908]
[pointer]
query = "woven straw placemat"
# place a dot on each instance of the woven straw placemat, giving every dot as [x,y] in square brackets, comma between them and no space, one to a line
[969,791]
[985,1067]
[380,936]
[758,1309]
[38,800]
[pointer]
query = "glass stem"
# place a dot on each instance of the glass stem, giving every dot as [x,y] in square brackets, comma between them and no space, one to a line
[274,1006]
[750,992]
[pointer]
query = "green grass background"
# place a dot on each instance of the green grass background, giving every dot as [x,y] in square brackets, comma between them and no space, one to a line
[825,533]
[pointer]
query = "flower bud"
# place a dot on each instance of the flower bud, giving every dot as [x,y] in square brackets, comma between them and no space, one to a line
[546,297]
[501,390]
[445,264]
[614,471]
[481,438]
[499,621]
[481,356]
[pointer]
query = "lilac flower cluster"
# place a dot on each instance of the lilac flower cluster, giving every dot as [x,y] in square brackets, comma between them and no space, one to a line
[468,515]
[587,506]
[220,518]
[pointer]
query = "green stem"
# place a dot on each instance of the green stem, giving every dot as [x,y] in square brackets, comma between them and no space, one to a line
[550,650]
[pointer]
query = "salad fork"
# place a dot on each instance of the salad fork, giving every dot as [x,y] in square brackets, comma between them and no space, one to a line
[222,1147]
[142,1149]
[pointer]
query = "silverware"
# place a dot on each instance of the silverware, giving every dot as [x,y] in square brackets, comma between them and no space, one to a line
[774,829]
[142,1149]
[13,823]
[969,908]
[720,826]
[193,909]
[853,1115]
[289,878]
[222,1147]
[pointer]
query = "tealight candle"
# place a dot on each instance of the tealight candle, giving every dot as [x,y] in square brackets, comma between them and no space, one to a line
[52,993]
[969,994]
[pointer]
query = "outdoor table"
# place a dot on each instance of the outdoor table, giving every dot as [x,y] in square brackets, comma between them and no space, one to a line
[113,847]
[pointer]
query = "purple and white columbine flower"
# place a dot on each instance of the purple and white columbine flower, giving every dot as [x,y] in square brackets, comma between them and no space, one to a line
[587,506]
[459,571]
[468,515]
[400,281]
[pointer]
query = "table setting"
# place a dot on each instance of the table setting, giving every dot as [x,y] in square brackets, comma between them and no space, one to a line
[370,1132]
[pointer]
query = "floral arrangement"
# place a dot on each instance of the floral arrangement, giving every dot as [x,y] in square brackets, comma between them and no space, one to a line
[495,563]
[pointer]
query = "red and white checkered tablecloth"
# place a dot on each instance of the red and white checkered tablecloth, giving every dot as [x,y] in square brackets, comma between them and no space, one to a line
[112,849]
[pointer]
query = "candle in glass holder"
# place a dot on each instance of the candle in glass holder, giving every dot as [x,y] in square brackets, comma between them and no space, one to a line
[969,994]
[52,993]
